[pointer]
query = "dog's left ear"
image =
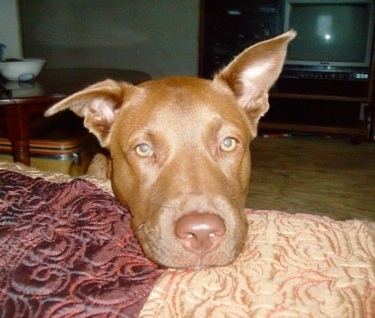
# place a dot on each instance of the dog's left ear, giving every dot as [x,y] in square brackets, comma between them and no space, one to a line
[252,73]
[98,104]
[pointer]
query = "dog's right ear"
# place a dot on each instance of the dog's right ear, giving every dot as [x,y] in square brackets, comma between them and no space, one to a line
[252,73]
[98,104]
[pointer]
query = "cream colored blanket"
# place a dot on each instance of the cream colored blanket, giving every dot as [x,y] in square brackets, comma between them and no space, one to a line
[292,266]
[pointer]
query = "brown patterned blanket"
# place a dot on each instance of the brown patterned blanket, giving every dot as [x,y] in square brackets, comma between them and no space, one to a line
[67,250]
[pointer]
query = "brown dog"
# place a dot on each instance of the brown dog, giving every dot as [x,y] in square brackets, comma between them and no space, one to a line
[180,157]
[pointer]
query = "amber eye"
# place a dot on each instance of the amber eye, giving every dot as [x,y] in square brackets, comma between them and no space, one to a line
[228,144]
[144,150]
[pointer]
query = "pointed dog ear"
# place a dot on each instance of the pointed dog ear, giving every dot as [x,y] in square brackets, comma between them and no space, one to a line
[98,104]
[252,73]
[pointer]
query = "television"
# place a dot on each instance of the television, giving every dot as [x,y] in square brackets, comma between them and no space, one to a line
[334,38]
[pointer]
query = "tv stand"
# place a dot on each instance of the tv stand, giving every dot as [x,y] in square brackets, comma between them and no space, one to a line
[326,75]
[337,98]
[355,131]
[341,91]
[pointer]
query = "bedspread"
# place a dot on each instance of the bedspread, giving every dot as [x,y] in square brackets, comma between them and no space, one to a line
[67,250]
[292,266]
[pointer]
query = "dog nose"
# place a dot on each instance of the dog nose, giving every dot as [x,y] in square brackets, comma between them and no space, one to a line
[200,233]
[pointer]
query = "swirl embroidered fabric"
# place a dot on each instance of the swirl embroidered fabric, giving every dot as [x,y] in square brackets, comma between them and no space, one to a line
[292,266]
[67,250]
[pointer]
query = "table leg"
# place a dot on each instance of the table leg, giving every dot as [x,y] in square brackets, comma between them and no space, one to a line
[17,122]
[371,135]
[21,152]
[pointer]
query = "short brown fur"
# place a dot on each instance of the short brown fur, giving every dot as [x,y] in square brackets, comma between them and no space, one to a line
[179,153]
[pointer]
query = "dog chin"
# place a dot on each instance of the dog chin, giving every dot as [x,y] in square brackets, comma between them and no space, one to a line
[198,263]
[195,264]
[182,259]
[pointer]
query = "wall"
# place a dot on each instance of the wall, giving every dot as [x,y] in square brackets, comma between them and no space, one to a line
[157,36]
[10,34]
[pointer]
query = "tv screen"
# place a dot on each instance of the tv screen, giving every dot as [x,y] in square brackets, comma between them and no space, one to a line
[330,33]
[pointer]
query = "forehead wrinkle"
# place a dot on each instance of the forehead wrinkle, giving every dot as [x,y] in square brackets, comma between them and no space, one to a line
[185,108]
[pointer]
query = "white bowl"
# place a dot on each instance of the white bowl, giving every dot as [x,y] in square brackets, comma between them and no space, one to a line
[23,70]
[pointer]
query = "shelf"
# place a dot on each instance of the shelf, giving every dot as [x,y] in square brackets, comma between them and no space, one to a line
[355,99]
[360,130]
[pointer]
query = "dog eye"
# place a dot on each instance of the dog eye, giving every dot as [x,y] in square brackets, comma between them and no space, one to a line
[228,144]
[144,150]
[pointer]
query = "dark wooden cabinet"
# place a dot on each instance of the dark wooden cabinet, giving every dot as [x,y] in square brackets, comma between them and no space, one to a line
[297,105]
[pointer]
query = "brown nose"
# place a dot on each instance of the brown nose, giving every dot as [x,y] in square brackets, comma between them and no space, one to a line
[200,233]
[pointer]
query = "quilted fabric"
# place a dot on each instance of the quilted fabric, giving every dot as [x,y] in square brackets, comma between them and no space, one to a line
[292,266]
[67,250]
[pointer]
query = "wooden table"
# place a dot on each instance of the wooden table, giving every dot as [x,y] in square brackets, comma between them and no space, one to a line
[52,85]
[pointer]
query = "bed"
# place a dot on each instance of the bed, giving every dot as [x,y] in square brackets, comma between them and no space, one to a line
[67,250]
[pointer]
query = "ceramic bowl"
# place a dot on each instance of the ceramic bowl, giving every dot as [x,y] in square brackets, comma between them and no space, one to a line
[23,70]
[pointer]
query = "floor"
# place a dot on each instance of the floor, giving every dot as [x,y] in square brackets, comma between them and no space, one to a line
[313,174]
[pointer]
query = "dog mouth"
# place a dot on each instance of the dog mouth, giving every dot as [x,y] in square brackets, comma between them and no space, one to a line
[194,240]
[182,259]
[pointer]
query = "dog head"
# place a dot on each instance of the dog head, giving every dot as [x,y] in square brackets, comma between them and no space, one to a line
[180,154]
